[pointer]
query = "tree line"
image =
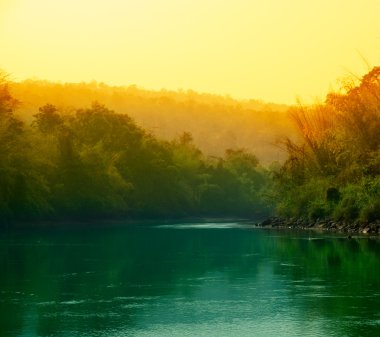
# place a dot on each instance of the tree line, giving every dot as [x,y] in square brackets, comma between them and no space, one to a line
[334,171]
[216,123]
[93,162]
[96,163]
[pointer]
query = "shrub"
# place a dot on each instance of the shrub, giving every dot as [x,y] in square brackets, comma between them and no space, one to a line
[370,212]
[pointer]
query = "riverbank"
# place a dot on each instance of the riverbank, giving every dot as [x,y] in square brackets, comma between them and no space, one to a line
[94,223]
[355,227]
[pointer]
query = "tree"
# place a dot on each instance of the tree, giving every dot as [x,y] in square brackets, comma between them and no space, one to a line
[48,119]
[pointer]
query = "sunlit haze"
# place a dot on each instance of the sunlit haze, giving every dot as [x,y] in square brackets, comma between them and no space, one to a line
[271,50]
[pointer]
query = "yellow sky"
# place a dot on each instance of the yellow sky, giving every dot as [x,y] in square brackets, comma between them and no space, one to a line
[273,50]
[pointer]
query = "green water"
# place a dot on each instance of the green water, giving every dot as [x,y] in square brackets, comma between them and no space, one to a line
[187,280]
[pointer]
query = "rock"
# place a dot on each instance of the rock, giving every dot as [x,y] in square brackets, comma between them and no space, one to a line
[372,227]
[266,222]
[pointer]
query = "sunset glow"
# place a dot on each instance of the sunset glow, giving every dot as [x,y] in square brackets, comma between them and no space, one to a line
[274,50]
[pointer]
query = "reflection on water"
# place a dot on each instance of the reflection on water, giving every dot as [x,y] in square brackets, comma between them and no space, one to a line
[207,225]
[188,280]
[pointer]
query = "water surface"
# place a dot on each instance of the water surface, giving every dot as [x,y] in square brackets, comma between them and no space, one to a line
[191,279]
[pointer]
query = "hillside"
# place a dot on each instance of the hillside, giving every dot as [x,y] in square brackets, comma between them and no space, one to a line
[216,122]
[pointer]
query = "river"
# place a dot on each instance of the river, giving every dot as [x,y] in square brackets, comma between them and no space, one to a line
[189,279]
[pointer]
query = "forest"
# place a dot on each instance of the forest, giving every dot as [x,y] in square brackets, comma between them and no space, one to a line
[334,170]
[96,163]
[90,151]
[216,123]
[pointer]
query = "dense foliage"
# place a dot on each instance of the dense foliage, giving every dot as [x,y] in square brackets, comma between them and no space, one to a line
[72,163]
[335,170]
[97,163]
[216,123]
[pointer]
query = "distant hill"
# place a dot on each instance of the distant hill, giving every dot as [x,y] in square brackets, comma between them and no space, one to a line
[215,122]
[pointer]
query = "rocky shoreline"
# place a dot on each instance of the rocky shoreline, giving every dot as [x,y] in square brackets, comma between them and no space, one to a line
[356,227]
